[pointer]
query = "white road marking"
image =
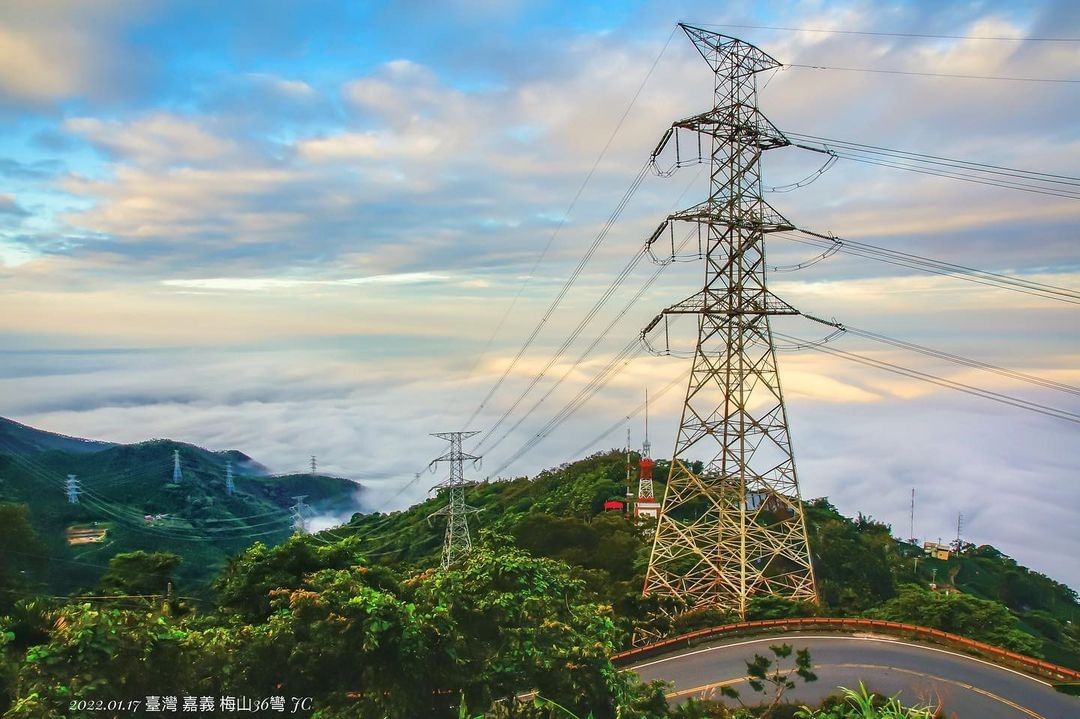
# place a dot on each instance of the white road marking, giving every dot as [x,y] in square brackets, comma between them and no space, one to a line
[847,638]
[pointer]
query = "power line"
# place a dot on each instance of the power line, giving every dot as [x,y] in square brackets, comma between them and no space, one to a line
[645,286]
[681,379]
[932,74]
[924,36]
[937,267]
[929,378]
[880,162]
[558,228]
[981,173]
[609,372]
[956,359]
[929,157]
[130,517]
[565,289]
[616,283]
[42,472]
[622,276]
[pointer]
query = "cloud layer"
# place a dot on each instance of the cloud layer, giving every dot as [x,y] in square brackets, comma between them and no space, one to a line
[329,232]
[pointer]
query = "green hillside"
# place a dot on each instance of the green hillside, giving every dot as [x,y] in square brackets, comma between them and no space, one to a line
[19,439]
[361,619]
[127,491]
[862,570]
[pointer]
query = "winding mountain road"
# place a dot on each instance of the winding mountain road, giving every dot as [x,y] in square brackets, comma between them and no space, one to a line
[965,686]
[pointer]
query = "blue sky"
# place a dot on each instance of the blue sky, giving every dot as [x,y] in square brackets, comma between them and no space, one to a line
[294,227]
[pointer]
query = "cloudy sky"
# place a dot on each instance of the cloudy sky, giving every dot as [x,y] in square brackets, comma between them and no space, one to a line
[319,227]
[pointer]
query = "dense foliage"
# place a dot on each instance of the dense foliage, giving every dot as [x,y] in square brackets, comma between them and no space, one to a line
[327,626]
[123,485]
[959,613]
[359,617]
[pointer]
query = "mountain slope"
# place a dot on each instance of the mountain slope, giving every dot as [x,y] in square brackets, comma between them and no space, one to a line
[859,565]
[20,439]
[127,490]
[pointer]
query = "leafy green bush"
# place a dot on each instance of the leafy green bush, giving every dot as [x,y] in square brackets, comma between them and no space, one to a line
[863,704]
[959,613]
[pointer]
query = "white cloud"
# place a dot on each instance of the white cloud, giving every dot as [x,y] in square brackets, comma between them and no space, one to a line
[352,146]
[433,195]
[55,49]
[257,284]
[35,70]
[159,138]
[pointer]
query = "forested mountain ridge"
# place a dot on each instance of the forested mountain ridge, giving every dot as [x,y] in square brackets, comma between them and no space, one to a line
[861,569]
[361,617]
[127,492]
[21,439]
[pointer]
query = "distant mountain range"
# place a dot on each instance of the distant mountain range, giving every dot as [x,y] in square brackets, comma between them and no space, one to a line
[22,440]
[127,501]
[127,490]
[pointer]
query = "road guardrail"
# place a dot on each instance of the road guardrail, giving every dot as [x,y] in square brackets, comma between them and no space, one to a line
[845,624]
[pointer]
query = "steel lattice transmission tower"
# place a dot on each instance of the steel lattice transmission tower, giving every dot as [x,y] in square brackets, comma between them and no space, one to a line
[177,473]
[457,541]
[300,515]
[72,488]
[735,528]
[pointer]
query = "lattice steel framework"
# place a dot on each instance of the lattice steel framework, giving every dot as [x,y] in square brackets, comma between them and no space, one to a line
[300,515]
[71,486]
[735,528]
[456,542]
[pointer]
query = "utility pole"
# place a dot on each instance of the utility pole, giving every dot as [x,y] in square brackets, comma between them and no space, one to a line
[177,475]
[72,487]
[645,446]
[911,537]
[457,542]
[735,529]
[230,487]
[299,515]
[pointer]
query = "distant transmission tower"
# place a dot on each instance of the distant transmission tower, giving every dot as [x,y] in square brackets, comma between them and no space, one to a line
[177,475]
[736,528]
[230,486]
[457,541]
[72,487]
[300,515]
[313,465]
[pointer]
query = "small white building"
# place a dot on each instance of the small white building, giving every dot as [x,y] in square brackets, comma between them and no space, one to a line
[647,507]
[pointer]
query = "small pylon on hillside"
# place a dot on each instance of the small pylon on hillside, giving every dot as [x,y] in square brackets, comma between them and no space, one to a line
[177,473]
[72,488]
[457,541]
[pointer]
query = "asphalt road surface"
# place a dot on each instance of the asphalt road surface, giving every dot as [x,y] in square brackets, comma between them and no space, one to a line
[965,686]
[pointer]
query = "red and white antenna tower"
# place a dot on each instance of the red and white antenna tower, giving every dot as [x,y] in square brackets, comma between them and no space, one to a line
[646,505]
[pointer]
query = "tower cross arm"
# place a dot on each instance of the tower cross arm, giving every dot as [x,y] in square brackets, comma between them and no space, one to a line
[752,126]
[452,456]
[723,51]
